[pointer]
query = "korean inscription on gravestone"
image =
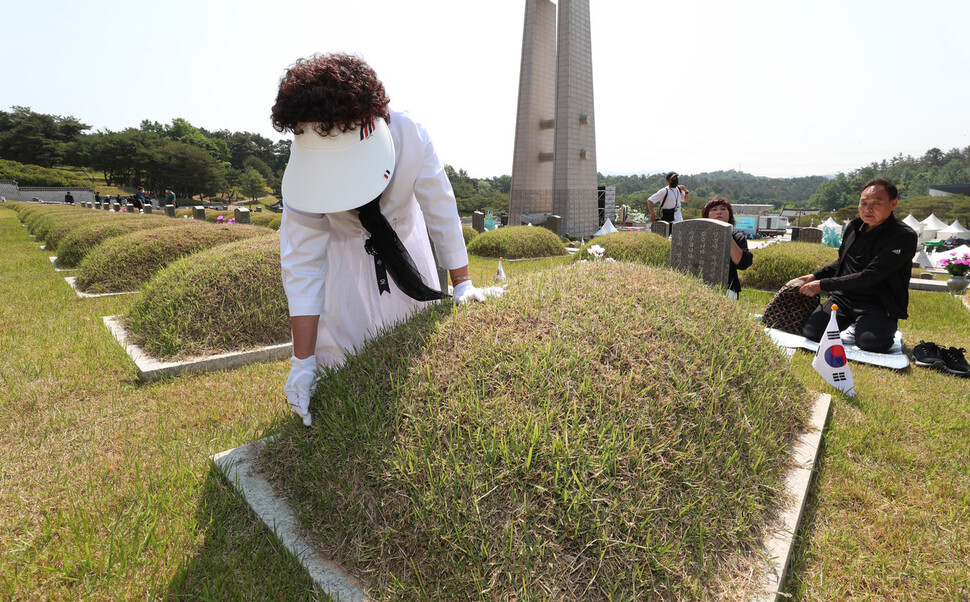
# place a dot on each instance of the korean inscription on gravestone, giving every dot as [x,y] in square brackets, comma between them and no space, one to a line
[702,248]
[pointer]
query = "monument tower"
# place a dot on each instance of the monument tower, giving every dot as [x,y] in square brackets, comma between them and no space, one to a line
[554,162]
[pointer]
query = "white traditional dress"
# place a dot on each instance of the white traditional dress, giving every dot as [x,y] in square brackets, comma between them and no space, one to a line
[327,272]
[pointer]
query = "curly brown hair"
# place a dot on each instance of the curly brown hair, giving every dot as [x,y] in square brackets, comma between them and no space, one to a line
[334,91]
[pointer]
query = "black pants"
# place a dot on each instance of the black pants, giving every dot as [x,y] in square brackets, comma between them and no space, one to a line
[874,330]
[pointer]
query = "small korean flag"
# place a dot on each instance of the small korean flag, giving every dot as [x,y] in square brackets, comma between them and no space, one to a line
[830,360]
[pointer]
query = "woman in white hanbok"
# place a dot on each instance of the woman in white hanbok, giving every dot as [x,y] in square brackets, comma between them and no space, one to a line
[350,152]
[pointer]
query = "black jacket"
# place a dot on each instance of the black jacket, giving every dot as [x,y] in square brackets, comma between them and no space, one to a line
[888,267]
[746,257]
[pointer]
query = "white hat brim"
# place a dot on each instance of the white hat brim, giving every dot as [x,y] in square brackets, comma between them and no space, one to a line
[327,174]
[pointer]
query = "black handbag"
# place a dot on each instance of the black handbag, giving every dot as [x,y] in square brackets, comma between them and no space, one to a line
[788,310]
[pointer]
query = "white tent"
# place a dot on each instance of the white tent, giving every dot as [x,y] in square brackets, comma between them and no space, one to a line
[954,229]
[607,228]
[831,223]
[957,252]
[933,223]
[931,226]
[913,223]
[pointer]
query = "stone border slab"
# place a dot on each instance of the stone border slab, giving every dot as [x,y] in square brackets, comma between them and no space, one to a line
[780,541]
[150,368]
[238,465]
[937,286]
[71,279]
[57,269]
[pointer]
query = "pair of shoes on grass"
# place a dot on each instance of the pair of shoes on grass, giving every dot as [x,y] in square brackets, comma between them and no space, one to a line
[951,359]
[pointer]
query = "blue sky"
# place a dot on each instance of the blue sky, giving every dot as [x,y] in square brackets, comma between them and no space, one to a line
[771,88]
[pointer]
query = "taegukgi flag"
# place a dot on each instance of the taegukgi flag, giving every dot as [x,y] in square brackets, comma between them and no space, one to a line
[830,360]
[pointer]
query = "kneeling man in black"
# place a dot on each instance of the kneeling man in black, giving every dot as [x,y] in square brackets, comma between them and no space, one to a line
[870,280]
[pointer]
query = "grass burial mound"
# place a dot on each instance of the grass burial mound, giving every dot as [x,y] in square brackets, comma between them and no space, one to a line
[81,240]
[468,233]
[228,298]
[124,263]
[67,226]
[39,219]
[517,242]
[602,431]
[776,264]
[640,247]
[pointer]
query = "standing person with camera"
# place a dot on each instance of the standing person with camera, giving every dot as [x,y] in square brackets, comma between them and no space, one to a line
[669,198]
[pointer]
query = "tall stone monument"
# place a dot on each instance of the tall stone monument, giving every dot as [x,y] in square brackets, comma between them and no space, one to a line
[554,163]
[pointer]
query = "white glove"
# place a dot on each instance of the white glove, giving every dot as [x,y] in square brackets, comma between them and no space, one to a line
[465,292]
[300,384]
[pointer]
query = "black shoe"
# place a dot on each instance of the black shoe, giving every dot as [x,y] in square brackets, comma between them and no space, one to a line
[928,354]
[955,362]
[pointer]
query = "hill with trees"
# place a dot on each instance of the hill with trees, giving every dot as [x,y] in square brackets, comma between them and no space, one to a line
[190,160]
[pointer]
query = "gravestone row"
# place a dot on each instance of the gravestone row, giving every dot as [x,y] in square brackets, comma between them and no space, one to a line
[242,215]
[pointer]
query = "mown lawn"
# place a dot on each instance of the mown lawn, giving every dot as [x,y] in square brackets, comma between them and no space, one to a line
[106,490]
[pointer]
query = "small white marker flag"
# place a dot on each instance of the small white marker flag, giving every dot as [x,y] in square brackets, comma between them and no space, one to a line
[830,360]
[500,276]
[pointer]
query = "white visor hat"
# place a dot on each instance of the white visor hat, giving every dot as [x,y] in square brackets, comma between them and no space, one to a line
[338,172]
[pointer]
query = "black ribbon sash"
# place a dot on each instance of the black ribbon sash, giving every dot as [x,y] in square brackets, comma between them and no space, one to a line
[391,257]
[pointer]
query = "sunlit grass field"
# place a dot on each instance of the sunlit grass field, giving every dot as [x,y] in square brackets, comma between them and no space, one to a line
[106,490]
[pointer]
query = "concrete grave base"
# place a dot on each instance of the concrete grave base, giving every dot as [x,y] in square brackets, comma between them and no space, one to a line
[918,284]
[150,368]
[57,269]
[780,540]
[71,281]
[239,467]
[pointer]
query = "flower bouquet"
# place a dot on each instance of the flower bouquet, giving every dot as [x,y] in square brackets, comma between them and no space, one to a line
[956,266]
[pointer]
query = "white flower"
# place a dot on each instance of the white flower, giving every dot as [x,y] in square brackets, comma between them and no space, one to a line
[596,251]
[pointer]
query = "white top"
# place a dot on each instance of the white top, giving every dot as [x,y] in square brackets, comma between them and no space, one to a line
[673,200]
[326,271]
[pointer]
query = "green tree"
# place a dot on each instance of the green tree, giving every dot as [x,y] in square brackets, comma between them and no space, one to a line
[35,138]
[253,183]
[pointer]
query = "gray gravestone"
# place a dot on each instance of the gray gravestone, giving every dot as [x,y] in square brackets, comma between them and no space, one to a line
[129,207]
[794,233]
[554,223]
[813,235]
[148,208]
[170,210]
[478,221]
[702,248]
[242,215]
[198,212]
[621,214]
[116,206]
[660,227]
[259,208]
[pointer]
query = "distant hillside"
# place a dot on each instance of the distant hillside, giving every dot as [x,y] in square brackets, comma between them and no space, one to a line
[738,187]
[912,176]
